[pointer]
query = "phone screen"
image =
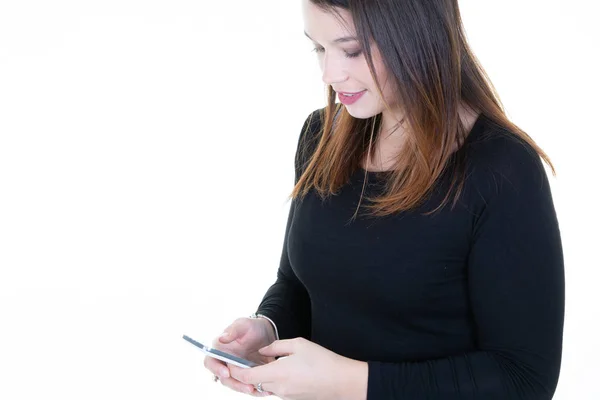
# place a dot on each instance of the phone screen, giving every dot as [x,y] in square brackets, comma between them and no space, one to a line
[221,355]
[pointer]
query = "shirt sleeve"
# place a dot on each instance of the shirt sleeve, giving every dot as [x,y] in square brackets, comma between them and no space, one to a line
[516,289]
[287,301]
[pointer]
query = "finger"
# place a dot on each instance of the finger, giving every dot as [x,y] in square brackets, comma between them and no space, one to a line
[216,367]
[252,376]
[279,348]
[242,387]
[232,332]
[264,393]
[237,386]
[256,393]
[248,376]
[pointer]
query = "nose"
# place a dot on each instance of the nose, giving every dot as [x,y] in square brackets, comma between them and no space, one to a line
[332,70]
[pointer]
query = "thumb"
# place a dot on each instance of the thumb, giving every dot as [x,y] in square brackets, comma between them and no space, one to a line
[279,348]
[233,332]
[229,335]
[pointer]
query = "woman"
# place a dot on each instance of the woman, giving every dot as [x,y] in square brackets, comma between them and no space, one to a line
[451,286]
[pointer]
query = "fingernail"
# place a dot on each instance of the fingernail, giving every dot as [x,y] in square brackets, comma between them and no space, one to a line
[224,373]
[224,334]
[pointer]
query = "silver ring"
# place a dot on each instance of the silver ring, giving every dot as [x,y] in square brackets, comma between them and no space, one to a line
[259,388]
[215,378]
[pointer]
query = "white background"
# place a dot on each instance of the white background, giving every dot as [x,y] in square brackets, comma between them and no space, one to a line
[146,152]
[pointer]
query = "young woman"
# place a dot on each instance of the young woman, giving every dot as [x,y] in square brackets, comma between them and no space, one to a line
[422,256]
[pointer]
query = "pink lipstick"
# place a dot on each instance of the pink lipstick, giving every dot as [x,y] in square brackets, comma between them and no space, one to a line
[347,100]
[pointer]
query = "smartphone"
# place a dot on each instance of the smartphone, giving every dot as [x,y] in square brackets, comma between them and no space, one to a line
[221,355]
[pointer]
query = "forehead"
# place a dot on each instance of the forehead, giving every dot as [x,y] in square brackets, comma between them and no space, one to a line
[327,27]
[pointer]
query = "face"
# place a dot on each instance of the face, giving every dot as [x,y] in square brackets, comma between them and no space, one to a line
[344,65]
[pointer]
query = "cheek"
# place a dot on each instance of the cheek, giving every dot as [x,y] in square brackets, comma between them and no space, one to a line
[388,86]
[381,74]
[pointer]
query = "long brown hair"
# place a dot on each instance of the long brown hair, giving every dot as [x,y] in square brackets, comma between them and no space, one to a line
[425,51]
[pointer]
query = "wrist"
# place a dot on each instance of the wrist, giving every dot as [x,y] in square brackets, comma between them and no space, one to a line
[270,327]
[354,379]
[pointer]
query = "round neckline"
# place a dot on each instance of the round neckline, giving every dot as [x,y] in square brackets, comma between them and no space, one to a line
[477,127]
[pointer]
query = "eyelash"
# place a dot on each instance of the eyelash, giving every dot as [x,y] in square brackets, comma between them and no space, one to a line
[353,55]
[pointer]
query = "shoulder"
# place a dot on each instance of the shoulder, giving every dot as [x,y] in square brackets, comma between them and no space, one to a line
[311,128]
[500,161]
[308,138]
[314,121]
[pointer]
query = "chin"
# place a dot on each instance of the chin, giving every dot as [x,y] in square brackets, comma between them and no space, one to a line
[363,112]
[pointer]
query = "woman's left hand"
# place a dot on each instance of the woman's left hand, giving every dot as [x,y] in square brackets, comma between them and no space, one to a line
[307,371]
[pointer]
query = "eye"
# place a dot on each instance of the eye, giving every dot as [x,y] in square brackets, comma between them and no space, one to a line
[352,55]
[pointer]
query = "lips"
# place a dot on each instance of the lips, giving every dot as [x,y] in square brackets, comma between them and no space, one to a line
[347,93]
[349,100]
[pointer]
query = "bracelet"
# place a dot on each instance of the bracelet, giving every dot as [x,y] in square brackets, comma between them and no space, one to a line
[255,315]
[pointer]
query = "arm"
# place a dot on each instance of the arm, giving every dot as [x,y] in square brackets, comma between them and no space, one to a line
[516,287]
[287,302]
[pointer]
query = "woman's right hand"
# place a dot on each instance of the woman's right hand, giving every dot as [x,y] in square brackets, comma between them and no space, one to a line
[245,336]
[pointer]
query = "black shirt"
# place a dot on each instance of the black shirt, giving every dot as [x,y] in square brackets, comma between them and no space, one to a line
[467,303]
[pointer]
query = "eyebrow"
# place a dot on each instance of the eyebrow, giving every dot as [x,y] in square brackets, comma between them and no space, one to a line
[338,40]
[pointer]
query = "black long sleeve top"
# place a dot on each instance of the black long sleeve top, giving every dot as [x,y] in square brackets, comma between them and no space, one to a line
[462,304]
